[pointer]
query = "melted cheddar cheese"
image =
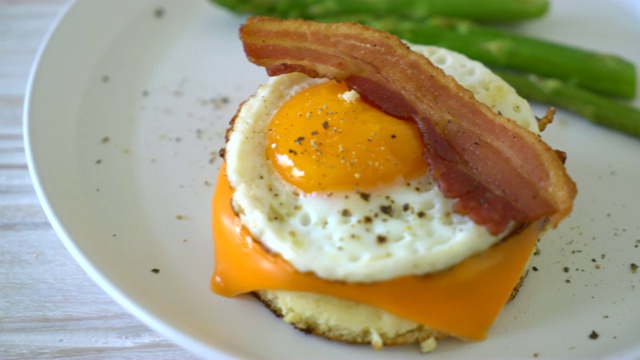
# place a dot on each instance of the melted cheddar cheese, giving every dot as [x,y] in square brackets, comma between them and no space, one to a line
[463,300]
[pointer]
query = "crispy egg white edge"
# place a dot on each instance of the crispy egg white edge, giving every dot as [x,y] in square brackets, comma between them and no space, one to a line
[312,233]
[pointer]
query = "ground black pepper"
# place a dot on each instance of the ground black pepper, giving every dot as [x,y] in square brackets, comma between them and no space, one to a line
[158,13]
[386,209]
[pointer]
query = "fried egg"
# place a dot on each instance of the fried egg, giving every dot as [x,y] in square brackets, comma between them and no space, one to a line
[340,189]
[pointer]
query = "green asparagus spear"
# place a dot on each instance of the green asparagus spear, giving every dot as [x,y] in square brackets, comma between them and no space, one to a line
[604,73]
[478,10]
[576,68]
[598,109]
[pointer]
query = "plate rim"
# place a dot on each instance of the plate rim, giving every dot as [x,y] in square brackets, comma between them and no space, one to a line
[132,307]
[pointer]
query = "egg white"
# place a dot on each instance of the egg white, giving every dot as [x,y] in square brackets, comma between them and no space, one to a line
[405,228]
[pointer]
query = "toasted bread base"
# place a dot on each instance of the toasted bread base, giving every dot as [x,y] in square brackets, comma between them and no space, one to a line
[351,322]
[346,321]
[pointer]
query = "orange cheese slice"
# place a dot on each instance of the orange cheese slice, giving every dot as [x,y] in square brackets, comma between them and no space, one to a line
[463,300]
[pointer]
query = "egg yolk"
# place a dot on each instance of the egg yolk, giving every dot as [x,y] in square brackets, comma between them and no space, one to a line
[323,140]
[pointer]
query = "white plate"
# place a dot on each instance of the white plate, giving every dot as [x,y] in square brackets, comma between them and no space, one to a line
[127,109]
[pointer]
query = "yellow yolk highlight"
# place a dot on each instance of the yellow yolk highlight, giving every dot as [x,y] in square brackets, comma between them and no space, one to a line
[320,142]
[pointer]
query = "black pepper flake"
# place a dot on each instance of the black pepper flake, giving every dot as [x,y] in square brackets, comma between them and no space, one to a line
[365,196]
[345,212]
[155,271]
[406,207]
[158,13]
[325,125]
[368,220]
[634,268]
[291,151]
[534,268]
[393,136]
[594,335]
[565,269]
[386,209]
[299,140]
[381,239]
[421,214]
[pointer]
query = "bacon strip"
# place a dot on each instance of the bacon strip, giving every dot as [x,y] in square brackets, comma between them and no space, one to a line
[497,171]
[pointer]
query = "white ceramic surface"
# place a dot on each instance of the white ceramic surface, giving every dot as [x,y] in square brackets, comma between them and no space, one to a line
[125,113]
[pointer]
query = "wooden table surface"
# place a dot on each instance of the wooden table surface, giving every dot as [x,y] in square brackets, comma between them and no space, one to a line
[49,307]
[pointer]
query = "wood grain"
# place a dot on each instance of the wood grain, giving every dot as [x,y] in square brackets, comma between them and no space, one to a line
[49,308]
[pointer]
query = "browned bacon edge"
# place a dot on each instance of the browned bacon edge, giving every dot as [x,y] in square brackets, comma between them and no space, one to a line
[497,171]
